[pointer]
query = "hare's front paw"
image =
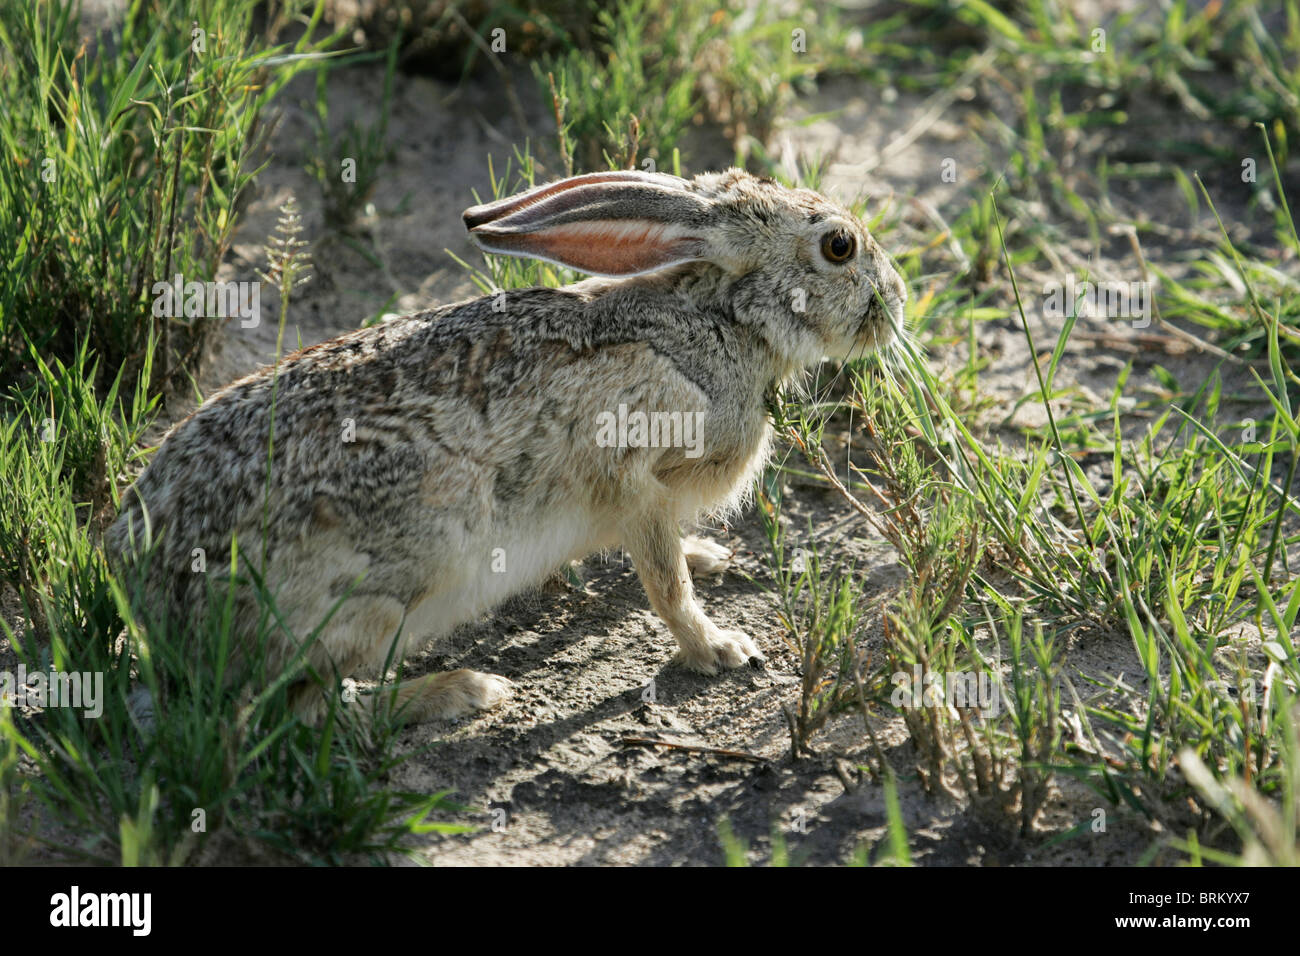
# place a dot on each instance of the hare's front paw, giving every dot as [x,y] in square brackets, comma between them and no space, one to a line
[721,650]
[704,557]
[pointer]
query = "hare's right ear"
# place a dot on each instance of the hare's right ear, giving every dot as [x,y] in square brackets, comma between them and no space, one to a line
[609,224]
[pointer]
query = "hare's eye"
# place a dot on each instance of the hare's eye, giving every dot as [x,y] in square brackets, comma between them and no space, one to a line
[838,246]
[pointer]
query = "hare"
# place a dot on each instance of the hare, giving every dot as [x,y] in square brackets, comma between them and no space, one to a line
[434,465]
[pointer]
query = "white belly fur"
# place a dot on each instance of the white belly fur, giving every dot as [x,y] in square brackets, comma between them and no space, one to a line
[512,561]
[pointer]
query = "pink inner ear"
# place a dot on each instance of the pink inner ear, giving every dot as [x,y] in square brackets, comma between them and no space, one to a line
[602,247]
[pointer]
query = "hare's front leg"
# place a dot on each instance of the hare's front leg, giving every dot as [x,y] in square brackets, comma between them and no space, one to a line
[653,541]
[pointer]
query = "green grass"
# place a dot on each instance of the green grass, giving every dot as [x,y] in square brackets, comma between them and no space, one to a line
[736,65]
[150,150]
[124,168]
[1178,542]
[347,164]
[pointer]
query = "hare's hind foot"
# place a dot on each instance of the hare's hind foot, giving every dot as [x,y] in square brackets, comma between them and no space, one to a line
[448,695]
[434,696]
[705,557]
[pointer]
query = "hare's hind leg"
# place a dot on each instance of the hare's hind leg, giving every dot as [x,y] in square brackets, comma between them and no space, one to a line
[360,638]
[705,557]
[356,639]
[434,696]
[447,695]
[655,545]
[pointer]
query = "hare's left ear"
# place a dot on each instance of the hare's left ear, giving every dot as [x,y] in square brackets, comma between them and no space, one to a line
[607,224]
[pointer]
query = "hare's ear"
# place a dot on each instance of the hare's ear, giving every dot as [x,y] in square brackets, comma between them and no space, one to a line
[608,224]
